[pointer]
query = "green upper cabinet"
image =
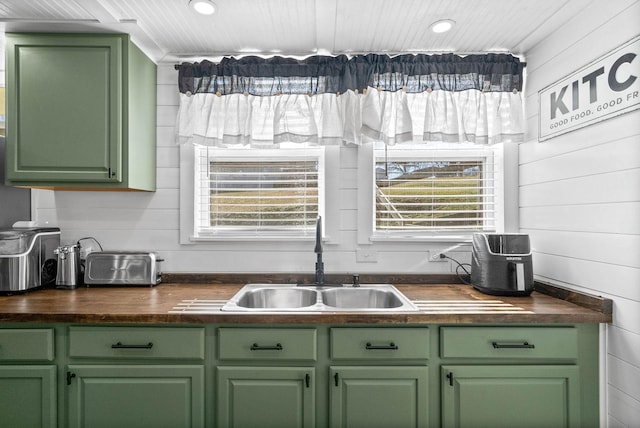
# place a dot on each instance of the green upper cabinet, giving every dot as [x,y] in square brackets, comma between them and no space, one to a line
[81,112]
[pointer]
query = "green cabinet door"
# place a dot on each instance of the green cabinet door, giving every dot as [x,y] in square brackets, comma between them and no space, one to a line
[510,396]
[140,396]
[28,396]
[64,108]
[80,112]
[265,397]
[380,396]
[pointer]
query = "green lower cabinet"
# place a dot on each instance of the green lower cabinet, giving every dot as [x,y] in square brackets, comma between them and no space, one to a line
[379,396]
[325,376]
[265,397]
[140,396]
[28,396]
[510,396]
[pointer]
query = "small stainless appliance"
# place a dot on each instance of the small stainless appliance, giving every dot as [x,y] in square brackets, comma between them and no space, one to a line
[68,272]
[123,268]
[27,259]
[501,264]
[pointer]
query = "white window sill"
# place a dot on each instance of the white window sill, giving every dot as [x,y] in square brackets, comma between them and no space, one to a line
[255,238]
[462,239]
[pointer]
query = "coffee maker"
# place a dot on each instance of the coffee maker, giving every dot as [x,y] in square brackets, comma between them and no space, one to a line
[501,264]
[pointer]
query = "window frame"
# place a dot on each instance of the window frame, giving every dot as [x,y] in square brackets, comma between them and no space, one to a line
[367,157]
[189,185]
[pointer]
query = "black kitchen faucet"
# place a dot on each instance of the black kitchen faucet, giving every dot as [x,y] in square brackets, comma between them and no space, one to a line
[318,279]
[319,276]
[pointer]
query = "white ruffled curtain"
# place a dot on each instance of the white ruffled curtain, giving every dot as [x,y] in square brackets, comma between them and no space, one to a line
[354,116]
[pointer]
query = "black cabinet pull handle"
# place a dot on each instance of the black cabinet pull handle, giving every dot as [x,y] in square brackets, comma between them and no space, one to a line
[276,347]
[307,380]
[450,377]
[120,345]
[336,378]
[524,345]
[69,377]
[391,346]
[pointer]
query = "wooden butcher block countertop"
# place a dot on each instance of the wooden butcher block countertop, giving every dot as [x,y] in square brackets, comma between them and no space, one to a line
[183,299]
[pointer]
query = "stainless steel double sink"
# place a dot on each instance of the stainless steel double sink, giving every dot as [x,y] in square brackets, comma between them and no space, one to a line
[294,298]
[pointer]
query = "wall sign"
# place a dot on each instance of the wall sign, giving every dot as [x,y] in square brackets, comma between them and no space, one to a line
[607,87]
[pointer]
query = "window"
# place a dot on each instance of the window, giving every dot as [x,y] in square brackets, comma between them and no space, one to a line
[257,192]
[406,192]
[442,189]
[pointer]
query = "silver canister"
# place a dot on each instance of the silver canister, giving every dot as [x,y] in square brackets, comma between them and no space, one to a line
[68,273]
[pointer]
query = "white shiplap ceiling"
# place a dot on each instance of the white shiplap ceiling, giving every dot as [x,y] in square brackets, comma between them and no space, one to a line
[168,30]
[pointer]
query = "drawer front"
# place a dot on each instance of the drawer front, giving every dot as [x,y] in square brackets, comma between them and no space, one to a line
[26,344]
[509,342]
[380,343]
[267,344]
[136,342]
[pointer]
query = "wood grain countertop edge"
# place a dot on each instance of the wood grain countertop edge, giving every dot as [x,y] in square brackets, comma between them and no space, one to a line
[549,304]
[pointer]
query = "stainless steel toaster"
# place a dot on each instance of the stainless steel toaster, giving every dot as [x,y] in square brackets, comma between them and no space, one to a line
[27,259]
[122,268]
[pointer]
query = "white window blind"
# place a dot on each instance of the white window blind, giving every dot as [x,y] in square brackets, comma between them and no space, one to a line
[258,191]
[436,190]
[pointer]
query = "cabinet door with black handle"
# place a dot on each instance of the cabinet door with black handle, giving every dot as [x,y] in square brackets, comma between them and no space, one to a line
[254,396]
[135,395]
[510,396]
[379,396]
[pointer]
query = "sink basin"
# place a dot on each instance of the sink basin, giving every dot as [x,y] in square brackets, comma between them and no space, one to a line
[292,298]
[277,298]
[361,297]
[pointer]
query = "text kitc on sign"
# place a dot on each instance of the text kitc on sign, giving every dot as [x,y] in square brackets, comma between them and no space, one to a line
[607,87]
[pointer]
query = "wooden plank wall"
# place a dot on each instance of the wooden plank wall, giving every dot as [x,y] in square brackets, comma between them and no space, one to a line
[580,196]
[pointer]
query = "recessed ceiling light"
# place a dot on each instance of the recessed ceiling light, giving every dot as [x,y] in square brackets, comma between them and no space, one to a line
[442,25]
[203,7]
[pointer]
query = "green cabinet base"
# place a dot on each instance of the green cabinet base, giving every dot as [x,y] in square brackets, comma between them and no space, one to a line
[141,396]
[379,396]
[266,397]
[510,396]
[28,396]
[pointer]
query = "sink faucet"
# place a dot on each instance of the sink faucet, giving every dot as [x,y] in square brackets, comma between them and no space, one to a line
[319,276]
[318,280]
